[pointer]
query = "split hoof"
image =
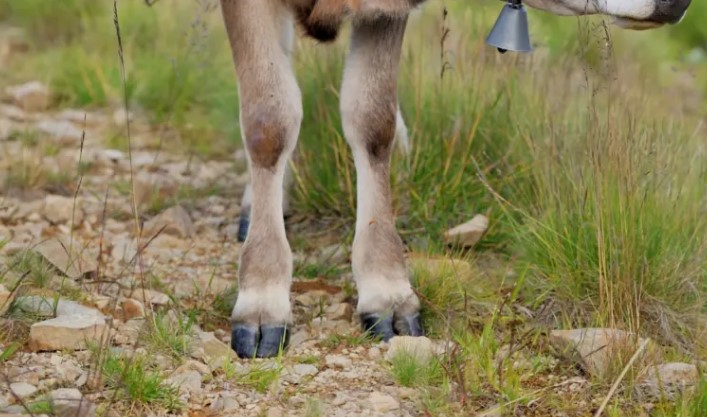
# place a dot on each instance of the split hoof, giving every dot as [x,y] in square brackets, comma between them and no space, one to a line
[387,326]
[259,342]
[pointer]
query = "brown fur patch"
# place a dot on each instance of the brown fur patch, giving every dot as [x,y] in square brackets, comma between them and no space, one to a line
[322,19]
[319,20]
[266,142]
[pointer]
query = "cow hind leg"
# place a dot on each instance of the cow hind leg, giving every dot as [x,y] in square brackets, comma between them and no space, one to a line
[387,304]
[270,112]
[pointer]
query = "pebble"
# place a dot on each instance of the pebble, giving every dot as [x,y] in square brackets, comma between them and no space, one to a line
[22,389]
[337,361]
[383,403]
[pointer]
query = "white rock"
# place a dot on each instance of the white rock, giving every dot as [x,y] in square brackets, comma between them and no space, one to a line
[70,402]
[340,311]
[23,389]
[337,361]
[174,221]
[69,257]
[61,131]
[275,412]
[49,307]
[383,403]
[114,155]
[211,350]
[32,96]
[187,381]
[469,233]
[66,332]
[374,353]
[300,371]
[69,371]
[59,209]
[419,348]
[667,379]
[594,348]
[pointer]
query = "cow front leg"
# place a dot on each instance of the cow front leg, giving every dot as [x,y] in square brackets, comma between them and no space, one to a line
[270,113]
[387,304]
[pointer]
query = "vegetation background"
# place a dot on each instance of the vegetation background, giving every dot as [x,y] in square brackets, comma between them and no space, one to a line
[589,155]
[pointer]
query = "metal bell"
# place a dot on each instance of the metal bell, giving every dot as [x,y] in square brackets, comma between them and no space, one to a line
[510,33]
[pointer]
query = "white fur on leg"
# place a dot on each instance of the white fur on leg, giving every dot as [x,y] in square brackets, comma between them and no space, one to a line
[378,293]
[273,299]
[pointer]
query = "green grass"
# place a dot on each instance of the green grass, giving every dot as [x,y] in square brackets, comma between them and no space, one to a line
[409,371]
[132,380]
[169,334]
[261,376]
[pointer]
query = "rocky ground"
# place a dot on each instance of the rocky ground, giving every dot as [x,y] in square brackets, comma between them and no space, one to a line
[105,312]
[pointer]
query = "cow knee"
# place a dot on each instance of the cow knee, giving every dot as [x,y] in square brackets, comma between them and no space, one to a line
[370,125]
[270,135]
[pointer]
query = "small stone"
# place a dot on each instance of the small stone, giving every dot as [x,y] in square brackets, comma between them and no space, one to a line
[59,209]
[66,332]
[275,412]
[340,311]
[23,389]
[69,257]
[300,337]
[230,403]
[132,309]
[61,131]
[383,403]
[211,350]
[668,379]
[300,371]
[187,381]
[468,234]
[49,307]
[70,372]
[419,348]
[593,348]
[374,353]
[151,187]
[337,361]
[32,96]
[70,402]
[174,221]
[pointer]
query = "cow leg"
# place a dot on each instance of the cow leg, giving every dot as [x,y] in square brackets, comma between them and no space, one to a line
[260,33]
[246,202]
[387,304]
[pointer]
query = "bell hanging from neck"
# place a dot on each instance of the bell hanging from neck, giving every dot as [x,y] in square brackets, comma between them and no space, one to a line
[510,33]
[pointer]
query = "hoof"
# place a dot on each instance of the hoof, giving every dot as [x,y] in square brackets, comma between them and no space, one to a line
[409,325]
[378,325]
[259,342]
[386,327]
[243,227]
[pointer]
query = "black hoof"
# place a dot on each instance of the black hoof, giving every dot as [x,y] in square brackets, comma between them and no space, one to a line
[409,325]
[243,226]
[386,326]
[272,340]
[259,342]
[378,325]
